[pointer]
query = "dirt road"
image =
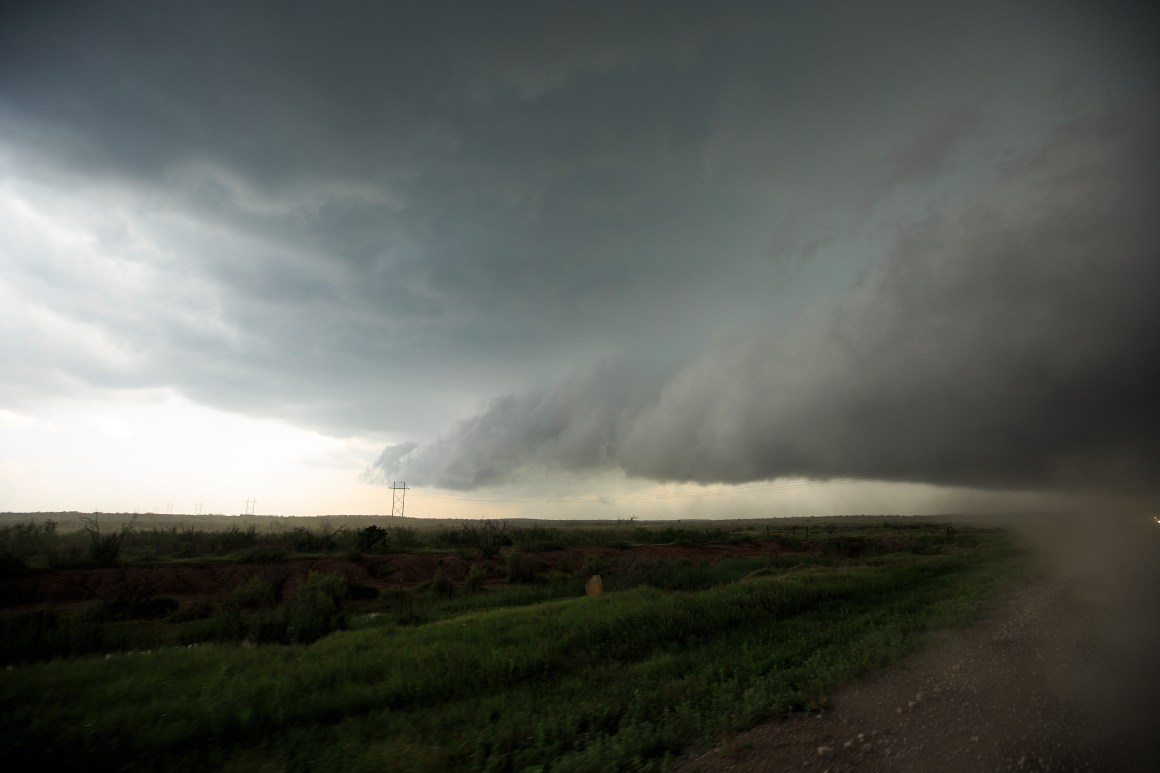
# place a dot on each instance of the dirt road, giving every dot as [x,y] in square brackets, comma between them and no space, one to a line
[1059,677]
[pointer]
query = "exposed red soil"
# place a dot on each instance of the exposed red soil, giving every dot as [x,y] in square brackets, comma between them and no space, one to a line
[70,589]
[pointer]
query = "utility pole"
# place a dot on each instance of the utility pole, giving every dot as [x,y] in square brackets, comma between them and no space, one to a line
[398,497]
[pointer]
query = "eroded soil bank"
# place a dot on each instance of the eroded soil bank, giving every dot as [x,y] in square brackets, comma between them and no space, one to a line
[73,589]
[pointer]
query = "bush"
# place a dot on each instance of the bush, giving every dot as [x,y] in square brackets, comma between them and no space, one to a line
[563,584]
[475,579]
[198,610]
[519,569]
[356,591]
[404,607]
[67,557]
[662,574]
[536,539]
[372,538]
[12,566]
[135,597]
[21,542]
[44,635]
[269,626]
[453,538]
[264,554]
[140,607]
[489,537]
[405,537]
[317,608]
[258,592]
[593,564]
[442,586]
[105,549]
[229,624]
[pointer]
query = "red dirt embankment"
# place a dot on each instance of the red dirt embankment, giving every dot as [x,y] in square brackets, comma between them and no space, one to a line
[76,588]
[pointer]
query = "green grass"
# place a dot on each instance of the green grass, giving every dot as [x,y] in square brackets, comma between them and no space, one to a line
[626,681]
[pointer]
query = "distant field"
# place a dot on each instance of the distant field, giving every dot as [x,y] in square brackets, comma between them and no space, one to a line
[461,645]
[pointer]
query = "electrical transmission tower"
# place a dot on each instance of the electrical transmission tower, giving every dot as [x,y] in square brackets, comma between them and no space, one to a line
[250,503]
[197,508]
[398,497]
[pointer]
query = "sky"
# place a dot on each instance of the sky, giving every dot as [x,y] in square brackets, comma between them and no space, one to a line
[588,260]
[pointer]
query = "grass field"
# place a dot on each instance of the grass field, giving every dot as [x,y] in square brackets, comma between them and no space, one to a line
[521,676]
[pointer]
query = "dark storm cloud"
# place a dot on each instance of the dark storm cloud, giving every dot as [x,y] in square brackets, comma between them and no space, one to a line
[574,425]
[371,217]
[391,197]
[1009,343]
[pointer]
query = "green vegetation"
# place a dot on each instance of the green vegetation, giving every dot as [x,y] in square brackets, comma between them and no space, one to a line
[30,542]
[525,674]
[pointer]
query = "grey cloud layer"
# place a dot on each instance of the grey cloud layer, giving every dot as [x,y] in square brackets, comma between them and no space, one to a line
[368,211]
[1009,343]
[373,218]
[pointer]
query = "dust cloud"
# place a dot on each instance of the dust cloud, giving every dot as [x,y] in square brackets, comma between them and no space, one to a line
[1109,559]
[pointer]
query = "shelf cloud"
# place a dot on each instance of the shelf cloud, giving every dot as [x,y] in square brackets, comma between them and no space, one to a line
[1006,343]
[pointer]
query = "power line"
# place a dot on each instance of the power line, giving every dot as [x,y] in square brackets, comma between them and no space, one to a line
[398,498]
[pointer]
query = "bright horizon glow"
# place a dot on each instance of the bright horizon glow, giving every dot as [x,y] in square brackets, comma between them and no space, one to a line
[162,451]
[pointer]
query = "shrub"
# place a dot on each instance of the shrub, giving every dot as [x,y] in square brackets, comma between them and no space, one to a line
[593,564]
[66,557]
[198,631]
[372,538]
[134,597]
[258,592]
[269,626]
[229,624]
[105,549]
[356,591]
[405,537]
[564,584]
[264,554]
[536,538]
[12,566]
[43,635]
[140,607]
[475,579]
[317,608]
[519,569]
[441,585]
[453,538]
[489,537]
[404,607]
[663,574]
[199,610]
[21,542]
[234,538]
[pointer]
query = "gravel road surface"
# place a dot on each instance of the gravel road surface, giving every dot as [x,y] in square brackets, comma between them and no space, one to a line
[1059,676]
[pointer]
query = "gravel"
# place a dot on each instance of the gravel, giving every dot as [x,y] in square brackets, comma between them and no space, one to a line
[1043,683]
